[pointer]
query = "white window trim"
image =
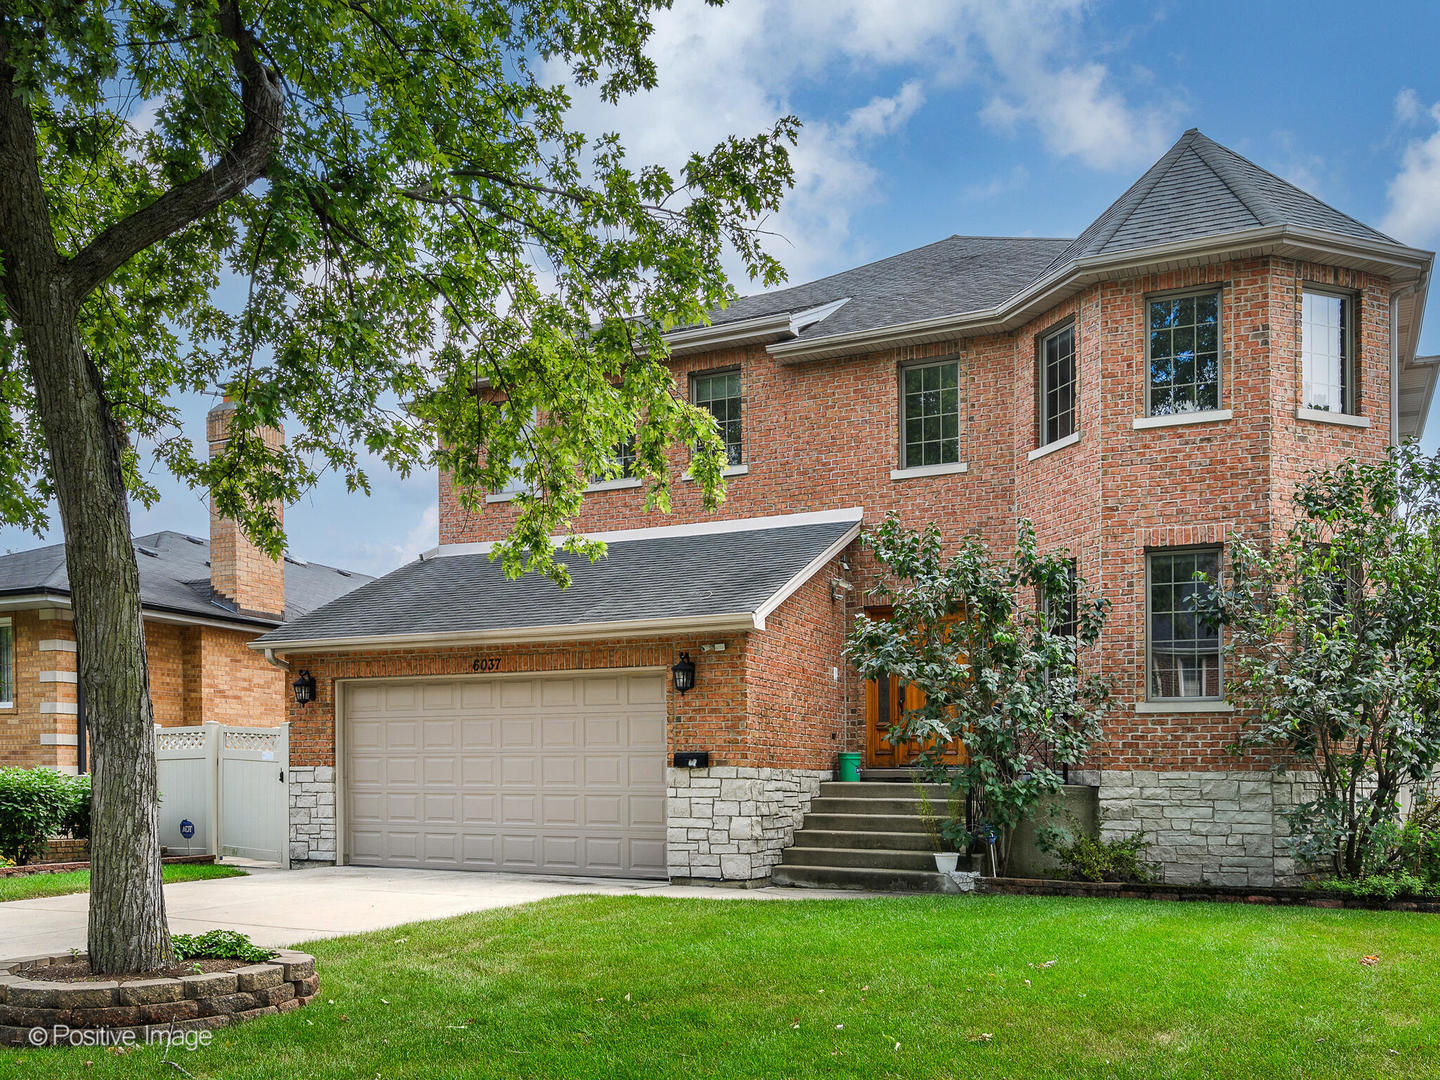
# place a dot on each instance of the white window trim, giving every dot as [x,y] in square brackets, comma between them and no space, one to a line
[949,468]
[1325,416]
[1058,444]
[8,623]
[1183,705]
[1203,416]
[727,471]
[620,483]
[502,496]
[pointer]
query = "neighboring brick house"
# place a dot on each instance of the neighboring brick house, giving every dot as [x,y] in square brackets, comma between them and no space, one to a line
[1140,393]
[204,602]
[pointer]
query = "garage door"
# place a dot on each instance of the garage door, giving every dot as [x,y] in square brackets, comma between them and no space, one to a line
[540,775]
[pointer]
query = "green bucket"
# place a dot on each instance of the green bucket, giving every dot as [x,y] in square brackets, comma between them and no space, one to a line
[850,767]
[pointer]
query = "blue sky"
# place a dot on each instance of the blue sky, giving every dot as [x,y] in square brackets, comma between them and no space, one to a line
[925,118]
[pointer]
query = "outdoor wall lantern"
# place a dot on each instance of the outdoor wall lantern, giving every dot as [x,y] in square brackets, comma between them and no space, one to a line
[304,688]
[684,674]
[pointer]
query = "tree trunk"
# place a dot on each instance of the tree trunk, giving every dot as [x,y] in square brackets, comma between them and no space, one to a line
[127,931]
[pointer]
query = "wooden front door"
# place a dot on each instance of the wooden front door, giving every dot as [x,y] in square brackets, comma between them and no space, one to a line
[886,700]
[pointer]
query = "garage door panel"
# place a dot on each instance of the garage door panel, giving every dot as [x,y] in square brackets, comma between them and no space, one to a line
[479,809]
[603,770]
[647,811]
[553,775]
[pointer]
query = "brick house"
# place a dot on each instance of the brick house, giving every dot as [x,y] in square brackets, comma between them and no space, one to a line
[204,602]
[1139,392]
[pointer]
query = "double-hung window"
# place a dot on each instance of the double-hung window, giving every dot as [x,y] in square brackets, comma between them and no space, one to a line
[719,393]
[7,663]
[930,414]
[1182,642]
[1327,348]
[1057,384]
[1182,352]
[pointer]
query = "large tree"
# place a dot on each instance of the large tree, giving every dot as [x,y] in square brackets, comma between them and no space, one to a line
[395,196]
[1333,640]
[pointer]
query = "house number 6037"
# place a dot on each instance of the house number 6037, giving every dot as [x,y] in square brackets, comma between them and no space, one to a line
[486,663]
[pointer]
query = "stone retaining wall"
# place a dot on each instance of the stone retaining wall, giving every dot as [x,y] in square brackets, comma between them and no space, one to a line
[730,823]
[1206,828]
[189,1002]
[1212,893]
[312,815]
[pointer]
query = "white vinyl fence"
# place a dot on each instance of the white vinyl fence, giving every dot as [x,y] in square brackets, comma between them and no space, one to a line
[223,791]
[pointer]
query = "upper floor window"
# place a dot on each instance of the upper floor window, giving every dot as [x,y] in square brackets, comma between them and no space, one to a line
[1182,643]
[1327,352]
[7,663]
[719,392]
[1062,611]
[930,414]
[1183,353]
[621,465]
[1057,385]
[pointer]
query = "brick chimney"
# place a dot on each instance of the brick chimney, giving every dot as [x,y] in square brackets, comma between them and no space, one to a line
[239,571]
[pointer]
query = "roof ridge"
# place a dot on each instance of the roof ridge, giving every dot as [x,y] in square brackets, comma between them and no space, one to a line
[1296,188]
[1237,184]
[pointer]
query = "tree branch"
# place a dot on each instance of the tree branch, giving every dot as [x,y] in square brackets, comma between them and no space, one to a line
[244,162]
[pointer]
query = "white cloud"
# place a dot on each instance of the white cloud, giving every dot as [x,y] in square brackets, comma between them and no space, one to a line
[1413,216]
[1012,180]
[1407,107]
[736,69]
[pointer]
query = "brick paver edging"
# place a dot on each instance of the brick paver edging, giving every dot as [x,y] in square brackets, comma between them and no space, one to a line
[146,1006]
[1214,893]
[63,867]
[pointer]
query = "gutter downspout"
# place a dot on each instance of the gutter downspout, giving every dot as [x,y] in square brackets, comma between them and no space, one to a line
[283,665]
[1395,295]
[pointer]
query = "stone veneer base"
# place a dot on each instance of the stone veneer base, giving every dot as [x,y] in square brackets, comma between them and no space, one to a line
[1206,828]
[729,823]
[145,1007]
[312,815]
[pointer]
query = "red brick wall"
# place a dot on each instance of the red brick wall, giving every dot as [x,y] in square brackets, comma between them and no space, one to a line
[824,435]
[22,725]
[801,694]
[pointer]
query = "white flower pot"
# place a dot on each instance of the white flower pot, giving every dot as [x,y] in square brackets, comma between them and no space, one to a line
[946,861]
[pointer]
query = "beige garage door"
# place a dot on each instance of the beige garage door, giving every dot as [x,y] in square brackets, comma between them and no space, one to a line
[545,775]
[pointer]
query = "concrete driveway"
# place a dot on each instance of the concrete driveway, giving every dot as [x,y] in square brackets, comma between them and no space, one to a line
[283,907]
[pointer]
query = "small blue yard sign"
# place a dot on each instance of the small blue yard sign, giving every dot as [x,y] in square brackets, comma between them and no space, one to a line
[187,828]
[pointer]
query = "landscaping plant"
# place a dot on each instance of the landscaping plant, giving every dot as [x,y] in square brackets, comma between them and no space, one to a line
[996,650]
[1333,640]
[424,264]
[35,804]
[1090,857]
[218,945]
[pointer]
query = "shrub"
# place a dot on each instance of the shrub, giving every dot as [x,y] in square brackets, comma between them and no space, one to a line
[33,805]
[1382,886]
[218,945]
[1088,857]
[76,822]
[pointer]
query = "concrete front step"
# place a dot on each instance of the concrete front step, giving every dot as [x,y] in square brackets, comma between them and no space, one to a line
[864,822]
[832,838]
[829,804]
[855,877]
[873,858]
[875,789]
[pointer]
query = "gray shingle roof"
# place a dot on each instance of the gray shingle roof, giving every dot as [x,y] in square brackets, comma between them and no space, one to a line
[959,273]
[176,578]
[665,576]
[1198,188]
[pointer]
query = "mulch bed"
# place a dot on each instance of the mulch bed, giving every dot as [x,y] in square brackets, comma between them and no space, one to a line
[79,971]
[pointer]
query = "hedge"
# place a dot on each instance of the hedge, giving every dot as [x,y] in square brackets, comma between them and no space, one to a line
[36,804]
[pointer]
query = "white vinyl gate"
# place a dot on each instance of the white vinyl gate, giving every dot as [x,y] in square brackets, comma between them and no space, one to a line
[226,787]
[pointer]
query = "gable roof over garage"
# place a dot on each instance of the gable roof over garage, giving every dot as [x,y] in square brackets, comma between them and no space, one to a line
[720,576]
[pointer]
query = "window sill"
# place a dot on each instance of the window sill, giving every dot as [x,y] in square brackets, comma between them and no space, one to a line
[623,483]
[502,496]
[7,704]
[1207,416]
[949,469]
[728,471]
[1058,444]
[1325,416]
[1180,707]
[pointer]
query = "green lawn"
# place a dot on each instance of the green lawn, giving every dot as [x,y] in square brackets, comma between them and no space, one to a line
[906,987]
[29,886]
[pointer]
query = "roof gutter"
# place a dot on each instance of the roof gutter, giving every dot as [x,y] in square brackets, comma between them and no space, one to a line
[762,328]
[19,600]
[1041,293]
[734,622]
